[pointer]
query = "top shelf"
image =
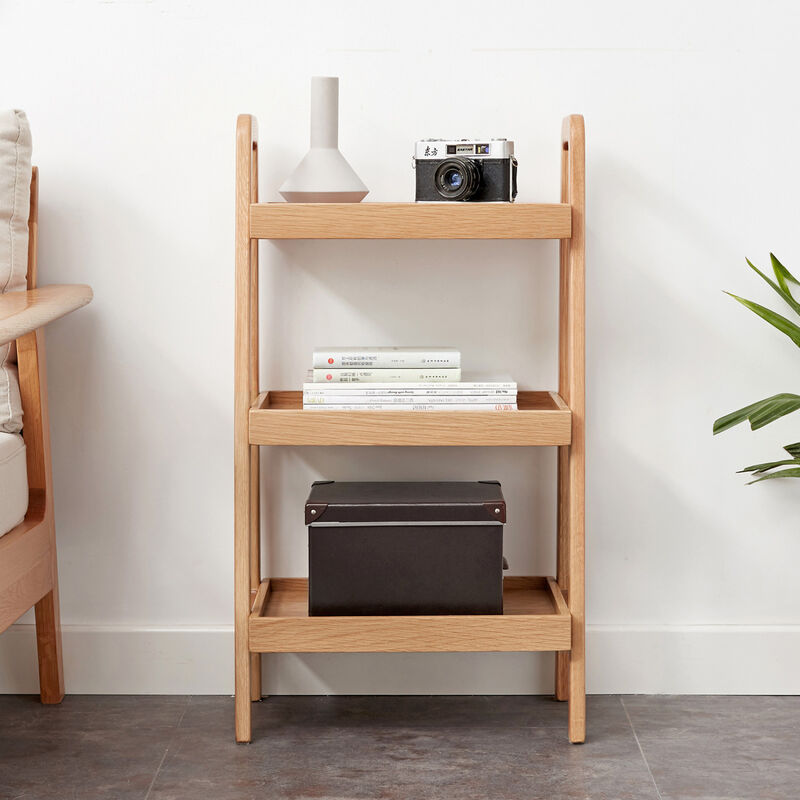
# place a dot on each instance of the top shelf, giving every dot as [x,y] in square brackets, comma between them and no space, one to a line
[410,221]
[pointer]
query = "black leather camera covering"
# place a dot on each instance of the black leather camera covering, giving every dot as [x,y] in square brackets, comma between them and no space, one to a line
[496,181]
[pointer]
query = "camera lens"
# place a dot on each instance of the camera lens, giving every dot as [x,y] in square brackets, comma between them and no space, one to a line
[453,179]
[457,178]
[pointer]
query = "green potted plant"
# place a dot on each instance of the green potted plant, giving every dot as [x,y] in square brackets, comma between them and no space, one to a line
[771,408]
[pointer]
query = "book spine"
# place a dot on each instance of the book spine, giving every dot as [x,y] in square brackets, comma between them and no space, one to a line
[433,387]
[366,390]
[338,398]
[389,359]
[412,407]
[386,375]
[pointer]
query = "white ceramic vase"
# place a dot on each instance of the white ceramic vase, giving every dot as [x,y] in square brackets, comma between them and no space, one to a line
[324,176]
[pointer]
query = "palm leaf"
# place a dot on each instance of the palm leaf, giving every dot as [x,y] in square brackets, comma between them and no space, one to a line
[783,276]
[735,417]
[761,413]
[783,292]
[784,473]
[773,410]
[774,319]
[756,468]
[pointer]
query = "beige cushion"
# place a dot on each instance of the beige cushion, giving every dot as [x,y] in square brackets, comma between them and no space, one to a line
[13,481]
[15,197]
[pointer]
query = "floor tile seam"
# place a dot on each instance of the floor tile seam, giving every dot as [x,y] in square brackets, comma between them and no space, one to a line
[185,709]
[641,750]
[166,749]
[158,770]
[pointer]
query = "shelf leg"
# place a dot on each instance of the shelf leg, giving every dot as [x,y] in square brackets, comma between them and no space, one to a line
[255,677]
[577,699]
[562,571]
[255,561]
[243,723]
[242,525]
[562,676]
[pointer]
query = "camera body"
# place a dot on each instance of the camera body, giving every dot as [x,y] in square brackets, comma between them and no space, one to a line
[474,170]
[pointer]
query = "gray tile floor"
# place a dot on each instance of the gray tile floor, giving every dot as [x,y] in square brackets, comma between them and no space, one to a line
[403,748]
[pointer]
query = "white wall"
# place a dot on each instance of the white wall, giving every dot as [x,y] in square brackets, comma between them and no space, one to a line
[692,124]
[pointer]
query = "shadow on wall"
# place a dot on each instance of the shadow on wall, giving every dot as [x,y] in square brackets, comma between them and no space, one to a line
[395,673]
[122,436]
[496,301]
[663,353]
[527,476]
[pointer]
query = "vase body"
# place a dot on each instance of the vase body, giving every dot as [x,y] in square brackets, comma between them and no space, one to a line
[324,176]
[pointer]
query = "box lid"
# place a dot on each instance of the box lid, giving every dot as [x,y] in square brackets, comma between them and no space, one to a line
[388,501]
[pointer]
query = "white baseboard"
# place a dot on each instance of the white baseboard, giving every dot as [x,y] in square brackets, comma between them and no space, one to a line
[702,659]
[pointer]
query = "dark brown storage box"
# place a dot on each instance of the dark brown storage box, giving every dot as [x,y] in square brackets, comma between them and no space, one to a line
[405,548]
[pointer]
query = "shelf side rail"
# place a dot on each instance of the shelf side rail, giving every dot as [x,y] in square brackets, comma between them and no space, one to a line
[571,665]
[247,566]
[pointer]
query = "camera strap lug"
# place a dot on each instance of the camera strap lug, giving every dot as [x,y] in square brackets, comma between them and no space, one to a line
[513,178]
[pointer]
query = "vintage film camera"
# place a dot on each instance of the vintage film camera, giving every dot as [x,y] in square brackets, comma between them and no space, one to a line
[478,170]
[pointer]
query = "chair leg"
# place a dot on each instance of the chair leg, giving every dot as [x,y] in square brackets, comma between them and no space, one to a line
[48,642]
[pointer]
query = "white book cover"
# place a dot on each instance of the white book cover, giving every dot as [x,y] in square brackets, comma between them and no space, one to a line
[386,357]
[353,390]
[403,375]
[412,407]
[471,382]
[335,398]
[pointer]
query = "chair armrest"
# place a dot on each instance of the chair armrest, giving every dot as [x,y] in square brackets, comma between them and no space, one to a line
[23,312]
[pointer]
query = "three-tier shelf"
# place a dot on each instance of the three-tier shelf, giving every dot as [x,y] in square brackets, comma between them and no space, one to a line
[540,613]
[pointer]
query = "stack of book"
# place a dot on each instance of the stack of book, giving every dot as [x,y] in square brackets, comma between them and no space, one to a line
[401,379]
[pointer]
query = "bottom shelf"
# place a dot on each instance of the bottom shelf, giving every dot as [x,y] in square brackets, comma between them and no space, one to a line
[535,617]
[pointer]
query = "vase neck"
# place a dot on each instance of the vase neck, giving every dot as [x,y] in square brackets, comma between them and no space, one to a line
[325,112]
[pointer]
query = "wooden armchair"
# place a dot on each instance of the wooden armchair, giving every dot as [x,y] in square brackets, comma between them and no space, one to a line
[28,570]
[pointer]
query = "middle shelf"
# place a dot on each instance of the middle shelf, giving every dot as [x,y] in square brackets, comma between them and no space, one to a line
[543,418]
[535,617]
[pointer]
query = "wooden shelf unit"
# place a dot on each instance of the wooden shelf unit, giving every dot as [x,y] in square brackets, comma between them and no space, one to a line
[271,615]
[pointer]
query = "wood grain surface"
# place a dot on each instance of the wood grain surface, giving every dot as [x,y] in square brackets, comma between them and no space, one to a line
[531,621]
[278,418]
[23,312]
[571,666]
[410,221]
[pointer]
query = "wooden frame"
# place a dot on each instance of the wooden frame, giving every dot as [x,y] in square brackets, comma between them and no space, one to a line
[540,613]
[28,566]
[570,677]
